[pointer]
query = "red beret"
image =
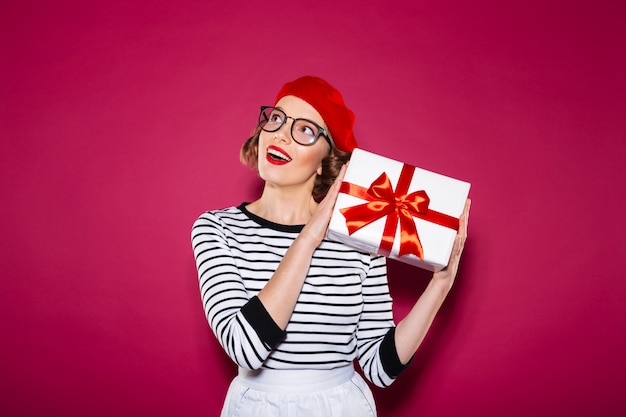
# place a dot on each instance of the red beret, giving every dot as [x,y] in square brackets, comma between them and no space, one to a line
[329,104]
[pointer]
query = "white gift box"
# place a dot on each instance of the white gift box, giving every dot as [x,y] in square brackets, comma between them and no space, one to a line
[398,210]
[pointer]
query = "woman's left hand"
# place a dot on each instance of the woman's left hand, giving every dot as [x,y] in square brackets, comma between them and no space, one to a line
[446,276]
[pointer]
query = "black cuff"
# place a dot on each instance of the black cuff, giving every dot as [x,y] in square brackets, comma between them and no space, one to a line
[389,355]
[263,324]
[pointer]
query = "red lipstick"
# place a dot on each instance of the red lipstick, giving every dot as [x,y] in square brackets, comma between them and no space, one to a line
[277,156]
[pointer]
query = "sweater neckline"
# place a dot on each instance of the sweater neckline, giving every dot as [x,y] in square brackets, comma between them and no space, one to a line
[290,228]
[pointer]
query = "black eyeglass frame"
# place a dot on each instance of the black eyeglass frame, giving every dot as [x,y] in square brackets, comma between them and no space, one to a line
[320,130]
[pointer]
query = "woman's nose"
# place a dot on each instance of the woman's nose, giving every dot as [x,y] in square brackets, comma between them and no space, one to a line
[284,133]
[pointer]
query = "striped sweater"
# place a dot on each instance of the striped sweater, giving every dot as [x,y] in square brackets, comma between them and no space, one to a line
[343,310]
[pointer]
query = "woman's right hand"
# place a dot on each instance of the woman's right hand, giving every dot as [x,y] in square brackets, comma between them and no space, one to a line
[316,227]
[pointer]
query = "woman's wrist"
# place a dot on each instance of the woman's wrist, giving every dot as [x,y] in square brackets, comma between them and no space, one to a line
[441,285]
[306,243]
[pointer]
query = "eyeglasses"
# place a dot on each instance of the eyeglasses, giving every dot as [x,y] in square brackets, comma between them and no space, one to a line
[303,131]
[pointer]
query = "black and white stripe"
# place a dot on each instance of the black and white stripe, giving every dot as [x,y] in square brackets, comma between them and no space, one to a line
[343,311]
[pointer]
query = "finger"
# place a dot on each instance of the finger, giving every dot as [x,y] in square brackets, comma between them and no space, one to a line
[454,257]
[461,237]
[465,216]
[342,171]
[328,202]
[339,178]
[459,241]
[463,222]
[458,246]
[334,189]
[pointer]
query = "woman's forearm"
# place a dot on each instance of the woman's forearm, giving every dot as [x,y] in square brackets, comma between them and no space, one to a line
[280,294]
[411,330]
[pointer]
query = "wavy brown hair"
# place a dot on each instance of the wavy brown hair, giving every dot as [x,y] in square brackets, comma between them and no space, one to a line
[331,164]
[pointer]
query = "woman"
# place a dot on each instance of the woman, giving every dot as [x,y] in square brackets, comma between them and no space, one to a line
[290,307]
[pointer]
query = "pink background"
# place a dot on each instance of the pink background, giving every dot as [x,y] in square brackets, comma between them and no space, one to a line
[121,121]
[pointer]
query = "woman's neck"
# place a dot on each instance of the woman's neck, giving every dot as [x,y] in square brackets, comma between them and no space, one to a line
[283,206]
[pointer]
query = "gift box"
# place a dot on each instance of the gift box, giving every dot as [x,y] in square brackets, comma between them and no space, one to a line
[397,210]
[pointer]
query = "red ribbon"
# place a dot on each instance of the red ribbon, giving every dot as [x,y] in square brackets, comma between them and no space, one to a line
[398,206]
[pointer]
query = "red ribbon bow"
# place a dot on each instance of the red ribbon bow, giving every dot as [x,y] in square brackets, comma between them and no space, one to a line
[398,206]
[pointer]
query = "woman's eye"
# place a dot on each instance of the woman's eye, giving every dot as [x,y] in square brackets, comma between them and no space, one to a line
[275,118]
[307,130]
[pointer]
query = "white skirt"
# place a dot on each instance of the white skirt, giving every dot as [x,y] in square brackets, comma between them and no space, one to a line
[337,392]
